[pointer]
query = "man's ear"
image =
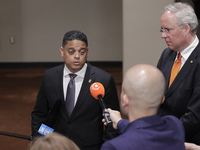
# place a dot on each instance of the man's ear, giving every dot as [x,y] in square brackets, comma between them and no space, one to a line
[87,51]
[125,100]
[163,99]
[187,29]
[61,51]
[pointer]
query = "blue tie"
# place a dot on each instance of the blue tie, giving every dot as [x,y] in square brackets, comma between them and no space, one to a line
[70,97]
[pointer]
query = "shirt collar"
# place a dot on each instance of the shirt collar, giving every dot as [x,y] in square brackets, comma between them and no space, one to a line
[187,51]
[80,73]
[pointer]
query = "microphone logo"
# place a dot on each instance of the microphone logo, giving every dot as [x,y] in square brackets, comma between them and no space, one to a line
[45,129]
[95,86]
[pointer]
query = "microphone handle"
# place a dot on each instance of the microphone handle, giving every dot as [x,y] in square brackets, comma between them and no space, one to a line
[106,115]
[101,102]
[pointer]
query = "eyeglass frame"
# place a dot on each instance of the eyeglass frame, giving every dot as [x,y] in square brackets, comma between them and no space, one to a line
[167,31]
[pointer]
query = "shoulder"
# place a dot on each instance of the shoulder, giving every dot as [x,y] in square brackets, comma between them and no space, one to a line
[96,69]
[174,126]
[123,141]
[173,122]
[122,124]
[171,118]
[168,52]
[54,69]
[166,55]
[98,73]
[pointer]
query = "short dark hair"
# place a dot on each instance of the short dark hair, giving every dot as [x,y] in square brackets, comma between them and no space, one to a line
[74,35]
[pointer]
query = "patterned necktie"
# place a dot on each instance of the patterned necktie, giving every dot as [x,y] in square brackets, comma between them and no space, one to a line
[70,97]
[175,69]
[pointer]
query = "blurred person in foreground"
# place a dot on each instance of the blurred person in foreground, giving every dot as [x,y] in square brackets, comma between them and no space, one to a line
[142,93]
[180,64]
[53,141]
[78,117]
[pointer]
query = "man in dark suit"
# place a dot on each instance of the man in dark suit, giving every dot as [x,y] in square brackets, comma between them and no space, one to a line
[142,92]
[178,27]
[84,124]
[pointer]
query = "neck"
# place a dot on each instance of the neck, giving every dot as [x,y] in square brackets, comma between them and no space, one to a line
[140,114]
[190,39]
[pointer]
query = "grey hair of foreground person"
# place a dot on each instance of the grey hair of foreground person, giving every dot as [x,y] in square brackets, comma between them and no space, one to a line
[53,141]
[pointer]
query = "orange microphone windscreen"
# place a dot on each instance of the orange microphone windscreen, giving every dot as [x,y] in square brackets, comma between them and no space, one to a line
[97,89]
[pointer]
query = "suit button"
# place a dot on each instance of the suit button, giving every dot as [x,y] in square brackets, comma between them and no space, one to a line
[69,123]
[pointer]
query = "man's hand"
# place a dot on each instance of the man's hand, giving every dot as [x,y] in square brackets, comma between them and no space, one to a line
[114,116]
[191,146]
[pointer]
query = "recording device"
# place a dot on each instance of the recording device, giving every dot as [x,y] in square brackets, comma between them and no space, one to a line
[46,127]
[97,90]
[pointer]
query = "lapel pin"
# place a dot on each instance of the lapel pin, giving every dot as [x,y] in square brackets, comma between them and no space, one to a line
[191,61]
[89,81]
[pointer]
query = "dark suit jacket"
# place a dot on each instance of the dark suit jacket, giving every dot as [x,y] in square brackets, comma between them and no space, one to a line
[183,96]
[148,133]
[84,126]
[196,7]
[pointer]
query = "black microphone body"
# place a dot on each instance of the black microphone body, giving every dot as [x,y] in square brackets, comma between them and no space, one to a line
[106,115]
[101,102]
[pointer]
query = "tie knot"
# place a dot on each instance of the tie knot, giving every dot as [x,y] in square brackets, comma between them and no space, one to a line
[179,56]
[72,75]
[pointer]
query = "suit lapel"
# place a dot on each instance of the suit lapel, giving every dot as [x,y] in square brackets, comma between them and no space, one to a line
[168,69]
[59,90]
[185,70]
[59,82]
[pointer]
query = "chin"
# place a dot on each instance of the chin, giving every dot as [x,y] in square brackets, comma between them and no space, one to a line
[76,69]
[170,47]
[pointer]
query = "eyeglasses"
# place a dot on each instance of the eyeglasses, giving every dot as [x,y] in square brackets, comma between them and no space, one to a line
[166,31]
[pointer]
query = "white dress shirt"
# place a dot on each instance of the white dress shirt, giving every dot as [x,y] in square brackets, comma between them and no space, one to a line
[78,81]
[187,51]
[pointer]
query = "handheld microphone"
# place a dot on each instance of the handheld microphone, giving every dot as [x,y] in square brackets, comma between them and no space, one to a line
[97,91]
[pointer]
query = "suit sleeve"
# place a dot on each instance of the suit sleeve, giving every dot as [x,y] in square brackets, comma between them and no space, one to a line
[121,125]
[108,146]
[41,109]
[191,119]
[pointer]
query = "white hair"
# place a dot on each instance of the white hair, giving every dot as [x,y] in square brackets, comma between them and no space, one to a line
[184,14]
